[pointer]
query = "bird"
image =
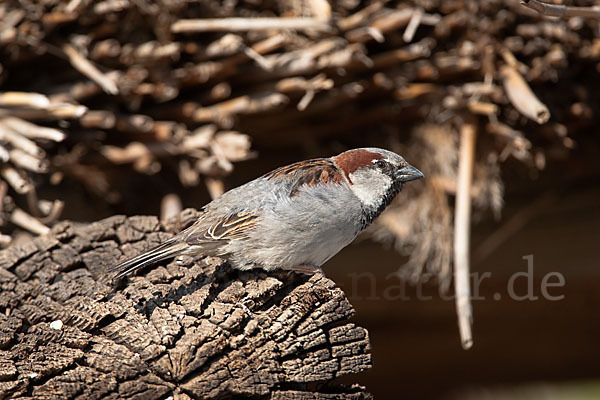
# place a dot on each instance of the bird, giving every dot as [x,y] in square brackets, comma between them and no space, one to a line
[293,218]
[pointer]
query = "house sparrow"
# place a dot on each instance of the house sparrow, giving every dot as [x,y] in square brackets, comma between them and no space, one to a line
[296,217]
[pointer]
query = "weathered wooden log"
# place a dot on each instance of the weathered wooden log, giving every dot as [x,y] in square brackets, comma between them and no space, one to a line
[200,331]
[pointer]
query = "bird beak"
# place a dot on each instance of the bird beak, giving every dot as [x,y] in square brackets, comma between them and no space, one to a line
[408,173]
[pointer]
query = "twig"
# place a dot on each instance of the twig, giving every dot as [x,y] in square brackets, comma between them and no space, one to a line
[26,221]
[388,21]
[111,6]
[27,105]
[232,146]
[44,210]
[215,187]
[135,151]
[258,58]
[9,24]
[202,72]
[522,97]
[102,119]
[217,93]
[65,110]
[73,5]
[359,17]
[448,185]
[227,45]
[3,192]
[15,180]
[50,20]
[482,107]
[187,174]
[33,131]
[309,87]
[247,24]
[24,99]
[27,161]
[410,52]
[35,109]
[50,209]
[413,24]
[4,156]
[170,206]
[364,34]
[136,123]
[415,90]
[462,220]
[199,138]
[306,99]
[320,9]
[247,104]
[561,11]
[5,240]
[517,144]
[19,141]
[222,163]
[269,44]
[86,67]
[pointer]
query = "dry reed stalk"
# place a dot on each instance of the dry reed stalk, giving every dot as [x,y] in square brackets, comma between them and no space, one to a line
[522,97]
[247,24]
[462,227]
[560,10]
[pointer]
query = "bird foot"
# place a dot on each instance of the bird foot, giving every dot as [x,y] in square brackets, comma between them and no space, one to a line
[244,307]
[306,269]
[184,260]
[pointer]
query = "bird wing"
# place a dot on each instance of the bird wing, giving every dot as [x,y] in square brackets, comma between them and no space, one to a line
[210,233]
[308,174]
[233,226]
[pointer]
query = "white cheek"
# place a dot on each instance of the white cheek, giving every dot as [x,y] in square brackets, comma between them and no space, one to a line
[370,186]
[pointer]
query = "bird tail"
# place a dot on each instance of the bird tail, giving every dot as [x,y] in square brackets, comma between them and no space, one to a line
[161,252]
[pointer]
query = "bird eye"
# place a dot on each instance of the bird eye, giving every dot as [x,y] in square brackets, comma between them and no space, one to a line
[380,164]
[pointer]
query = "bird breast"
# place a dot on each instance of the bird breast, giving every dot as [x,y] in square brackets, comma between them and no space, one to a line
[309,228]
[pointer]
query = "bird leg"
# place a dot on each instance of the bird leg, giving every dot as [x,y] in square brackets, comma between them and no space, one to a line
[306,269]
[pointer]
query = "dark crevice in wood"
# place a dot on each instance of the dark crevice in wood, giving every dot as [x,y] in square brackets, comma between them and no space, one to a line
[175,294]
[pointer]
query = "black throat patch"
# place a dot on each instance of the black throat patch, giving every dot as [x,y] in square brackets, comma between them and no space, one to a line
[370,214]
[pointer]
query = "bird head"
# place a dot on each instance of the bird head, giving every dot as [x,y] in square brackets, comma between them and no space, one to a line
[375,176]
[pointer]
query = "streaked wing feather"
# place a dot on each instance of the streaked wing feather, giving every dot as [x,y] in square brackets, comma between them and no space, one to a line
[234,226]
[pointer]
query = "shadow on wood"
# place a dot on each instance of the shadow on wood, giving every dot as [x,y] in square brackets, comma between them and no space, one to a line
[197,331]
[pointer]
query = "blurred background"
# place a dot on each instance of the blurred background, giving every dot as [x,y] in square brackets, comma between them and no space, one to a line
[141,107]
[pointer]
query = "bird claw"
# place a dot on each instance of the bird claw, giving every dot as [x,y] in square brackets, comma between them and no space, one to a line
[245,307]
